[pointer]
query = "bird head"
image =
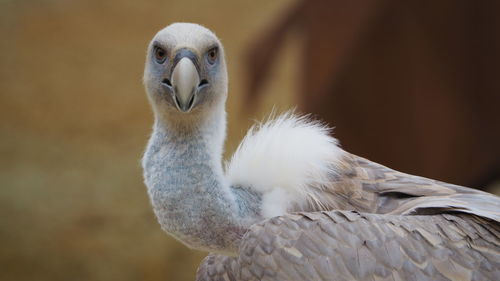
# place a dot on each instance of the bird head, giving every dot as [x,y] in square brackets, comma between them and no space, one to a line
[185,72]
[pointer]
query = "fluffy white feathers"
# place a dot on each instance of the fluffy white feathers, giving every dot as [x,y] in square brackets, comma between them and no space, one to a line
[286,159]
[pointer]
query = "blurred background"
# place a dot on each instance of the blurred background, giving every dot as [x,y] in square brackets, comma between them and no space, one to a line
[414,86]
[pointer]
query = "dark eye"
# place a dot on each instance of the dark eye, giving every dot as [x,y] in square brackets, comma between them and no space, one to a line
[212,55]
[160,55]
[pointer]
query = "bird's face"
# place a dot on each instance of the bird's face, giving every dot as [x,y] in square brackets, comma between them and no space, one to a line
[185,70]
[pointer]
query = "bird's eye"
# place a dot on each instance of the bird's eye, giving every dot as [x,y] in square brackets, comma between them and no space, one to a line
[160,55]
[212,55]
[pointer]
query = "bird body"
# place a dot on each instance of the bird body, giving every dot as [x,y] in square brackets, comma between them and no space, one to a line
[290,164]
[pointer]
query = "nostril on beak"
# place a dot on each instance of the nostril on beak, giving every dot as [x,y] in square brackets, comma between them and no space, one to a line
[203,82]
[166,82]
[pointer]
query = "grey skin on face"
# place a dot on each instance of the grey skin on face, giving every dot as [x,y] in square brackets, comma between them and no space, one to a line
[183,74]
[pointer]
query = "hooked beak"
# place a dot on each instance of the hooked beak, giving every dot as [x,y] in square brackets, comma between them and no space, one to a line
[185,81]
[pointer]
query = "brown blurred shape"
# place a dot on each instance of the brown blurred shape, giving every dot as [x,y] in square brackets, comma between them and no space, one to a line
[412,85]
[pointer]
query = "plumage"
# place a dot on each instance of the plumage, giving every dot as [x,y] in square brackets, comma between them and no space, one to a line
[291,204]
[347,245]
[289,159]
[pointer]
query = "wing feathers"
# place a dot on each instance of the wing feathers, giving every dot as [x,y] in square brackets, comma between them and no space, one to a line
[340,245]
[399,193]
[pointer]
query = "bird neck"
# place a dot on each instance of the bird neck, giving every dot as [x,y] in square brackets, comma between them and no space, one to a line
[185,180]
[192,141]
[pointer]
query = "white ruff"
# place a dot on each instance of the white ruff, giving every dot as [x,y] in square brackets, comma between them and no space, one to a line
[286,159]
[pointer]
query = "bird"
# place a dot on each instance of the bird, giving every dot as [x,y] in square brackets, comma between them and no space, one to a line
[291,204]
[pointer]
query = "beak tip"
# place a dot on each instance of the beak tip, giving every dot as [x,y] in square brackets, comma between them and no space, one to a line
[184,106]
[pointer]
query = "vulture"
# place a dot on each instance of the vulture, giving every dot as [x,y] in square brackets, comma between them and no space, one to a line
[291,204]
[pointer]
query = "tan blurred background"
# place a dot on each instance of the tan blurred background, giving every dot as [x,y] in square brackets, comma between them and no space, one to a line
[74,121]
[74,118]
